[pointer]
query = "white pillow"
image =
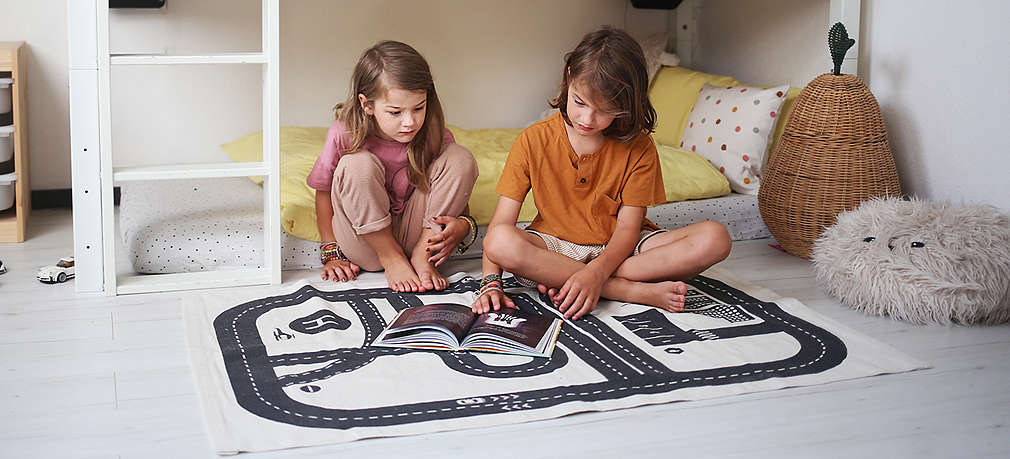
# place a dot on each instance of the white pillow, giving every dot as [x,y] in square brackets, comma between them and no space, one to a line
[668,60]
[654,46]
[731,127]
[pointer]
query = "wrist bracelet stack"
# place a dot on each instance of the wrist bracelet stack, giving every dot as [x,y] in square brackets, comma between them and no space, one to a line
[329,251]
[471,235]
[488,283]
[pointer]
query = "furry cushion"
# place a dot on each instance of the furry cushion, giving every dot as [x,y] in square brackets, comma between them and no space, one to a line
[920,261]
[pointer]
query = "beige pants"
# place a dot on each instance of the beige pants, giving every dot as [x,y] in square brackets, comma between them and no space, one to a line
[361,203]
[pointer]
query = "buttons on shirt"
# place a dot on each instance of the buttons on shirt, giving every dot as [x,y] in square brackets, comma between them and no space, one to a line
[584,165]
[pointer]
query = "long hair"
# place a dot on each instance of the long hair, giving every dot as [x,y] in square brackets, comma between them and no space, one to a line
[612,65]
[385,66]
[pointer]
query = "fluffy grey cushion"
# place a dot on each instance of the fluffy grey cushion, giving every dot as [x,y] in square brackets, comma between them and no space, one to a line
[920,261]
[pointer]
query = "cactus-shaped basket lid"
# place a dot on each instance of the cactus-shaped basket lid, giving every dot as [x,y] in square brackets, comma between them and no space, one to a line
[839,44]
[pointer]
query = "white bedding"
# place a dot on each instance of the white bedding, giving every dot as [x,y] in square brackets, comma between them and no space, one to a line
[173,226]
[739,212]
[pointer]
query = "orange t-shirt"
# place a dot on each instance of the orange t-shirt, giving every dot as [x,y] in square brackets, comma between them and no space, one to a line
[577,198]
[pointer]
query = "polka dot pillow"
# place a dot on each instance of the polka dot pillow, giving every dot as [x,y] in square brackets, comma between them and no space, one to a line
[731,127]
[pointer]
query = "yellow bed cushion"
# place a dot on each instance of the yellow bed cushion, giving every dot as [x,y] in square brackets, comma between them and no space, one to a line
[490,147]
[300,146]
[686,175]
[674,91]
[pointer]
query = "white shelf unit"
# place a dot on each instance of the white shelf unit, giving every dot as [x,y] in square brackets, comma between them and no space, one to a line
[161,59]
[94,176]
[190,171]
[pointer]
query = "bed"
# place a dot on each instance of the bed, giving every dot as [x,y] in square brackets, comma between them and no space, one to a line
[178,226]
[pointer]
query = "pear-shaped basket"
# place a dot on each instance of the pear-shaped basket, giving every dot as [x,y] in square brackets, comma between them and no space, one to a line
[833,155]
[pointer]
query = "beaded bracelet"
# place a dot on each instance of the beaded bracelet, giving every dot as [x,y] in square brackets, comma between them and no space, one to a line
[489,287]
[488,283]
[471,235]
[489,278]
[329,251]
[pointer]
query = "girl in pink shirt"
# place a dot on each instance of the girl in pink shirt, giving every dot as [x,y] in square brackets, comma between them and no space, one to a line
[391,184]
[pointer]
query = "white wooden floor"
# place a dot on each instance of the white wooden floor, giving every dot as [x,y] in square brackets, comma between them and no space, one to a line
[90,376]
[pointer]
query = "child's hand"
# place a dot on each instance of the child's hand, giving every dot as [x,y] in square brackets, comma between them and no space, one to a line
[441,245]
[492,299]
[580,293]
[340,270]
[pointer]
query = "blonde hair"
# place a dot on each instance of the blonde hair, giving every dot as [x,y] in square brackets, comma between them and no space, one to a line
[612,65]
[385,66]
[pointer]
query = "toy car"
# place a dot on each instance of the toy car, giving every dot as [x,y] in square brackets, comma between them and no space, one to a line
[3,268]
[63,270]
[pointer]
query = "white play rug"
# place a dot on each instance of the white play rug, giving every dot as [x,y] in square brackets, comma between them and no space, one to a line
[292,367]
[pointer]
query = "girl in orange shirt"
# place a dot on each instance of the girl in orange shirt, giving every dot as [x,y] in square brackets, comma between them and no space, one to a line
[594,169]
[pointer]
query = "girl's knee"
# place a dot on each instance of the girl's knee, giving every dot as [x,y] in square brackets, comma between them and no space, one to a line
[358,164]
[356,170]
[459,160]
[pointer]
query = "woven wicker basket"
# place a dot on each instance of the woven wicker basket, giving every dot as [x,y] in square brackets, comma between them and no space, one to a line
[833,155]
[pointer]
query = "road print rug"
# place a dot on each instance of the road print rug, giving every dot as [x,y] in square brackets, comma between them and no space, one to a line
[293,367]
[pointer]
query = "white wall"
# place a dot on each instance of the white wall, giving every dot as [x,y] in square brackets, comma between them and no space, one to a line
[495,64]
[939,71]
[763,42]
[937,68]
[42,24]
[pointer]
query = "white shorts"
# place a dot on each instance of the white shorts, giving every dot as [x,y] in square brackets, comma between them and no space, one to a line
[582,253]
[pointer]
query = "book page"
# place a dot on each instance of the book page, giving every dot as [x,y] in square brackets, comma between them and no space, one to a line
[454,318]
[527,329]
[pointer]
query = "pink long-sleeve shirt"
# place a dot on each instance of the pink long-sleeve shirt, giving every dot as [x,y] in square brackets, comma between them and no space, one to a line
[392,155]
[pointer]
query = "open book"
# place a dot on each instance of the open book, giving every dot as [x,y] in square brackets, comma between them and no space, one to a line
[455,327]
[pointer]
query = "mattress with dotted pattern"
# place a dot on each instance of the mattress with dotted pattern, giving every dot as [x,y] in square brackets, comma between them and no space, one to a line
[739,212]
[174,226]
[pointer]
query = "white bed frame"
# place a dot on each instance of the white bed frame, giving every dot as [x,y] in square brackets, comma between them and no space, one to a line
[91,143]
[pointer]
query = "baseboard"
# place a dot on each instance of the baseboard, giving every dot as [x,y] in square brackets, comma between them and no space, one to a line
[61,198]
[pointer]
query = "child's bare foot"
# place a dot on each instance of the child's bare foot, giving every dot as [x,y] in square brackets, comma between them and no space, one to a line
[668,295]
[428,274]
[401,276]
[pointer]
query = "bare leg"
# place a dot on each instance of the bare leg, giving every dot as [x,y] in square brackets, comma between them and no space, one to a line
[679,254]
[399,272]
[451,178]
[429,276]
[524,254]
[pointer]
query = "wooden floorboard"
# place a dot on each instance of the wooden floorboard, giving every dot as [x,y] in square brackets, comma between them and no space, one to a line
[85,375]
